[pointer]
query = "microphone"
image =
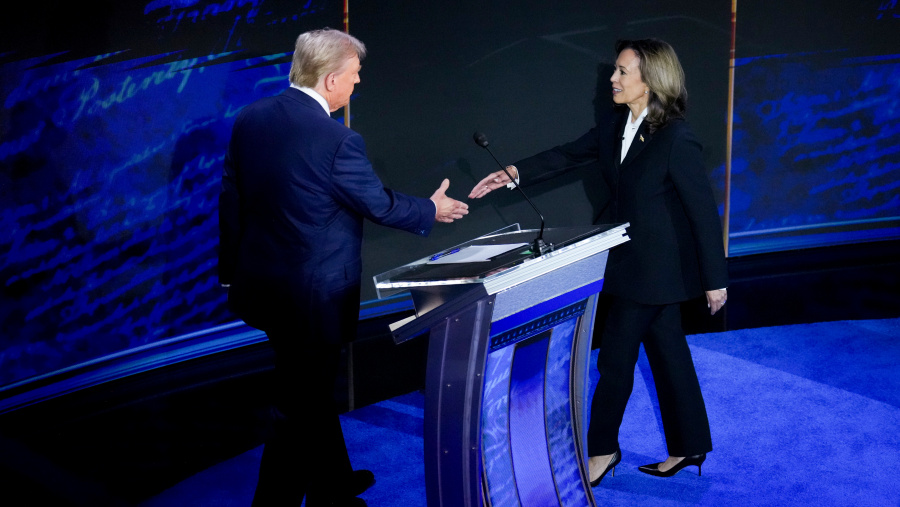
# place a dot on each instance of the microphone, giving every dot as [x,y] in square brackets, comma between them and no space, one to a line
[539,246]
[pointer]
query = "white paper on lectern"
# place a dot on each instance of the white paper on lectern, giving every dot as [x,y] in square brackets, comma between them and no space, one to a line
[476,253]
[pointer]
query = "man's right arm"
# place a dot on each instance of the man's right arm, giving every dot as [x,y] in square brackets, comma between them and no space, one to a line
[356,186]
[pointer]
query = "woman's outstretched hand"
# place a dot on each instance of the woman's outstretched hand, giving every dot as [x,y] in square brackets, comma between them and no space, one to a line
[493,181]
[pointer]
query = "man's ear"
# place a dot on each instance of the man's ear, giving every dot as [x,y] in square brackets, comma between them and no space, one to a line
[329,81]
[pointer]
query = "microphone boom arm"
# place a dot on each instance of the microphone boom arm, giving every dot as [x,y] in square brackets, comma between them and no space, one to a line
[539,246]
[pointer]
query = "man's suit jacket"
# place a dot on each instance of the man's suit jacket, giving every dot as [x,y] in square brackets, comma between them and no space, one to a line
[676,250]
[296,187]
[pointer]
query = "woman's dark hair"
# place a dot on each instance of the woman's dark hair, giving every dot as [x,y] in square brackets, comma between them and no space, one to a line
[663,74]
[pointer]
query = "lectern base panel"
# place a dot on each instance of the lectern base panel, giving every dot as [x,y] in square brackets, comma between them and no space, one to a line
[505,417]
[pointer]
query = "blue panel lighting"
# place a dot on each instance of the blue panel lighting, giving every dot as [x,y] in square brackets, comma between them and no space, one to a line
[528,433]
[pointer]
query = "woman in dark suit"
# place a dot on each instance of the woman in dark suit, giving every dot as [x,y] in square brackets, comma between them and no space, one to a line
[655,179]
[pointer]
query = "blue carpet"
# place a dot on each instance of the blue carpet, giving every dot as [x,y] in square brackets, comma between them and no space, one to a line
[800,415]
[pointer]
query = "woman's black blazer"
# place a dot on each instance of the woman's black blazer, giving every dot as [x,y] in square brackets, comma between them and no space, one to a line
[661,188]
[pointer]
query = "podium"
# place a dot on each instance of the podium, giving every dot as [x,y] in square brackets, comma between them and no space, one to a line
[508,359]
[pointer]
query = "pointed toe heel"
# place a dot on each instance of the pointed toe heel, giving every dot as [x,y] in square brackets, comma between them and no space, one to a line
[617,457]
[653,469]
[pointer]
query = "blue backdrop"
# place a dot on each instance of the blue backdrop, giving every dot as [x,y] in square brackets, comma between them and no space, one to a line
[816,153]
[111,174]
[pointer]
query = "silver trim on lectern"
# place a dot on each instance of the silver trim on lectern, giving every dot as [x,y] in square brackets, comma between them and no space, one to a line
[556,259]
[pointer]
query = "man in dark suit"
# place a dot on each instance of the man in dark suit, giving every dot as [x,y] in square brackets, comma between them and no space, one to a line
[654,178]
[296,188]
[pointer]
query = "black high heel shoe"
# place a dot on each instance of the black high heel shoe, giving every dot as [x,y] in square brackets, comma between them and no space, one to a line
[686,462]
[617,457]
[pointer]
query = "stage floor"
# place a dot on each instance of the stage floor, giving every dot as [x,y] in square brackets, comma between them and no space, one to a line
[801,415]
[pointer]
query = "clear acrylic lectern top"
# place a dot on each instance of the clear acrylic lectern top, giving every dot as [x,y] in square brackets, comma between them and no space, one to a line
[503,254]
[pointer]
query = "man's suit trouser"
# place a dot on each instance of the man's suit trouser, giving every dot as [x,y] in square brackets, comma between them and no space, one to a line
[681,404]
[306,453]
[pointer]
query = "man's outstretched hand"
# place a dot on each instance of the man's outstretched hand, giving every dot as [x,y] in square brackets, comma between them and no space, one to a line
[448,209]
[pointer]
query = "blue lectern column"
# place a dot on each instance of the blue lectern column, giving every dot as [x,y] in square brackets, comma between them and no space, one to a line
[532,409]
[456,354]
[505,401]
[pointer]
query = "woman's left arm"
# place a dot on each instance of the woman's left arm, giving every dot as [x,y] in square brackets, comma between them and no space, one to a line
[688,174]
